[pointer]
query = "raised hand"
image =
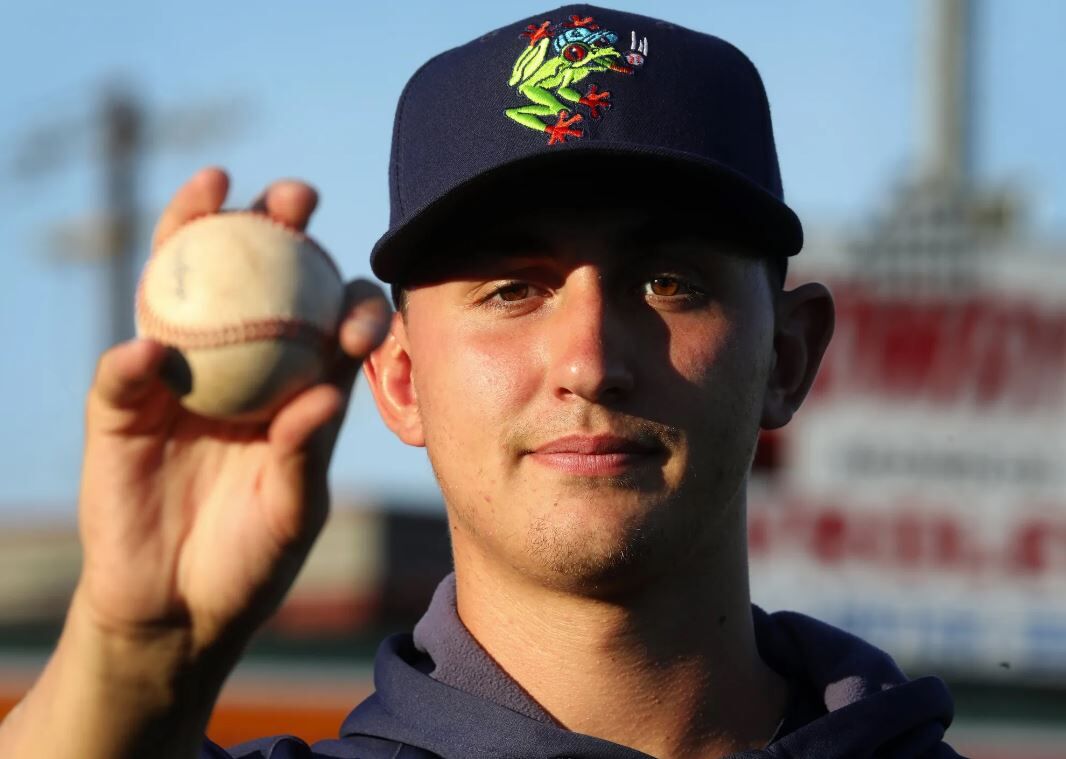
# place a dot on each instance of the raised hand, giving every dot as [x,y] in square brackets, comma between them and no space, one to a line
[198,524]
[192,529]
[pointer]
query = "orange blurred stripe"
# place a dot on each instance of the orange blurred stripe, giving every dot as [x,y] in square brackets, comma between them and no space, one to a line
[234,723]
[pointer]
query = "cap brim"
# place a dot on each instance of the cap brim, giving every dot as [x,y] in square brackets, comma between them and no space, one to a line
[730,206]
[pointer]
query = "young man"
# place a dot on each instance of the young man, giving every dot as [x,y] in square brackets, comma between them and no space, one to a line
[587,248]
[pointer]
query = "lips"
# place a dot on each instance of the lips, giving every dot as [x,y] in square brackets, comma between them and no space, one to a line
[595,444]
[596,455]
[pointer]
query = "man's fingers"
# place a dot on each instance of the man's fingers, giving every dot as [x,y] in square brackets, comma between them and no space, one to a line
[366,321]
[204,193]
[292,429]
[289,201]
[127,396]
[301,438]
[363,328]
[305,430]
[125,372]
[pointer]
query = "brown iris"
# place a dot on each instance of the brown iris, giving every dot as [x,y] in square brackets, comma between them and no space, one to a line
[665,286]
[516,291]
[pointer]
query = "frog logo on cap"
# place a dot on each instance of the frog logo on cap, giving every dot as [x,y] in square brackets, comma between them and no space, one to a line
[558,57]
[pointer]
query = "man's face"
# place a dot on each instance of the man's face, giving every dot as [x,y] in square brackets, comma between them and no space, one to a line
[589,394]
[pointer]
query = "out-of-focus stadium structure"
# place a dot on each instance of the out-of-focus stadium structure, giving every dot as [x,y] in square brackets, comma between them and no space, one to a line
[920,497]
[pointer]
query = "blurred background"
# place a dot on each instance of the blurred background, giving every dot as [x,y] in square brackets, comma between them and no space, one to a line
[919,500]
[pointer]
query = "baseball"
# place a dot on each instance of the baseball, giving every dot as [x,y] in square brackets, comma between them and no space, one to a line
[251,307]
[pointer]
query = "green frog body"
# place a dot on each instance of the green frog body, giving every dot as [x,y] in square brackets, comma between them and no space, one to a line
[551,65]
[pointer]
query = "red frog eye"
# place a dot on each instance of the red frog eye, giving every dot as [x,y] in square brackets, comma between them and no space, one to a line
[602,42]
[575,53]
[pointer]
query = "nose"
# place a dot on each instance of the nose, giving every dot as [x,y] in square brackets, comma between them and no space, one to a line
[588,345]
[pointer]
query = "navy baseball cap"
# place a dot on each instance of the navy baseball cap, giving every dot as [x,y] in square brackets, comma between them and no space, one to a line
[660,112]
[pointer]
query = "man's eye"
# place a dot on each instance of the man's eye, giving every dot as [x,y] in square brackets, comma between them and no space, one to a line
[511,292]
[663,286]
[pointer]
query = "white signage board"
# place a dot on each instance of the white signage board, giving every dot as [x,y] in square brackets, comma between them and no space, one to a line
[921,500]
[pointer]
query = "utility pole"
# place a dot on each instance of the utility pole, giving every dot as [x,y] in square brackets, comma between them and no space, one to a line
[124,136]
[122,133]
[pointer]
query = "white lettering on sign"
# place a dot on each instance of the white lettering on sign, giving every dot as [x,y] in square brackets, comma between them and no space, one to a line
[919,497]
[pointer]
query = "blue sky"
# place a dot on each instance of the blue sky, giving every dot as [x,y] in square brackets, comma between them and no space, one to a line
[317,84]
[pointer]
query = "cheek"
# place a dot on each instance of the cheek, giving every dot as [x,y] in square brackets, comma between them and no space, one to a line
[699,348]
[695,353]
[474,390]
[471,383]
[726,359]
[499,371]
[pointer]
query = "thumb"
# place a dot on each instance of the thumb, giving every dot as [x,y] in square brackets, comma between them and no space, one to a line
[127,377]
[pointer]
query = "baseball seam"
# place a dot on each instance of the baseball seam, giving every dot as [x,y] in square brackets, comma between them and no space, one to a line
[250,330]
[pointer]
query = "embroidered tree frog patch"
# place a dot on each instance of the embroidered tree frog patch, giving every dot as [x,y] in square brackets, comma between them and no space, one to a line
[557,58]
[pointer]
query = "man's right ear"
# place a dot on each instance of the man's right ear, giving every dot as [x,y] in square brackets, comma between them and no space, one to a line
[388,372]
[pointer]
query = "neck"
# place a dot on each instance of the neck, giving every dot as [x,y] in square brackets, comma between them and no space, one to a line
[669,668]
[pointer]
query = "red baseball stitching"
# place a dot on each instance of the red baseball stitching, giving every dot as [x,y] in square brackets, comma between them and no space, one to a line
[240,332]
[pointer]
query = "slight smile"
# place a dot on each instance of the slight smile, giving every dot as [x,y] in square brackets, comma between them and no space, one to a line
[596,455]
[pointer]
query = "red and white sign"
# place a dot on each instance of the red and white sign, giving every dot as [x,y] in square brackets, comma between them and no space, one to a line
[921,500]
